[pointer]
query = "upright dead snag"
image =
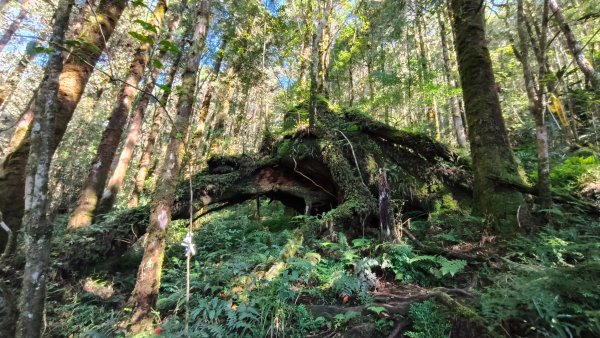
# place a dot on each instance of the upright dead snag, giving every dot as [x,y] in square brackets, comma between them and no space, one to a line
[386,210]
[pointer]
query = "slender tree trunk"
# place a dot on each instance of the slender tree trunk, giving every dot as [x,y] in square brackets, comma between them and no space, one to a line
[147,284]
[14,26]
[535,94]
[315,65]
[459,130]
[117,177]
[146,159]
[432,111]
[304,57]
[93,187]
[240,111]
[38,232]
[72,81]
[218,129]
[591,75]
[490,149]
[204,108]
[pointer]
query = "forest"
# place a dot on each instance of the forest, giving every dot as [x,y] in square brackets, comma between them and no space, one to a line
[300,168]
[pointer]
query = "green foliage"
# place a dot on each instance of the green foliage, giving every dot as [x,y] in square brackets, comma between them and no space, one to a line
[79,313]
[575,170]
[232,295]
[410,268]
[428,321]
[551,287]
[343,319]
[144,38]
[377,309]
[147,26]
[168,46]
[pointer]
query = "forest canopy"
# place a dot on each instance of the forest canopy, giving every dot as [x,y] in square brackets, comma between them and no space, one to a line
[299,168]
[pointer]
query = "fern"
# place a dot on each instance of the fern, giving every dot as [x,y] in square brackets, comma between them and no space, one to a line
[428,321]
[347,285]
[451,267]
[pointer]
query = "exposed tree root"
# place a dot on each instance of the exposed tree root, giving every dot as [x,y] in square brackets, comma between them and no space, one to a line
[398,304]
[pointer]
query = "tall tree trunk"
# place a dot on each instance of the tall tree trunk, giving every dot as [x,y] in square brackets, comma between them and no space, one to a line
[459,130]
[218,129]
[240,111]
[315,64]
[535,94]
[157,118]
[432,112]
[591,75]
[490,149]
[38,232]
[204,108]
[93,187]
[117,177]
[147,284]
[72,81]
[14,26]
[304,57]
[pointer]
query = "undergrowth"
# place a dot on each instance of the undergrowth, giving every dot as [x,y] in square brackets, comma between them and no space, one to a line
[263,277]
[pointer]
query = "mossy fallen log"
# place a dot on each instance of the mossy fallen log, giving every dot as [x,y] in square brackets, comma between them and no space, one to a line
[99,242]
[333,170]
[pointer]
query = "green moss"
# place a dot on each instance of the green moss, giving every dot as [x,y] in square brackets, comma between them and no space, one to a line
[284,148]
[446,203]
[357,198]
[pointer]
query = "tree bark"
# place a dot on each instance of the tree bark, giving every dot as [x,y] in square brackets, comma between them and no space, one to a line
[14,26]
[146,159]
[591,75]
[147,285]
[82,17]
[38,232]
[304,57]
[459,130]
[204,108]
[536,97]
[93,187]
[316,58]
[72,81]
[117,177]
[213,140]
[490,148]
